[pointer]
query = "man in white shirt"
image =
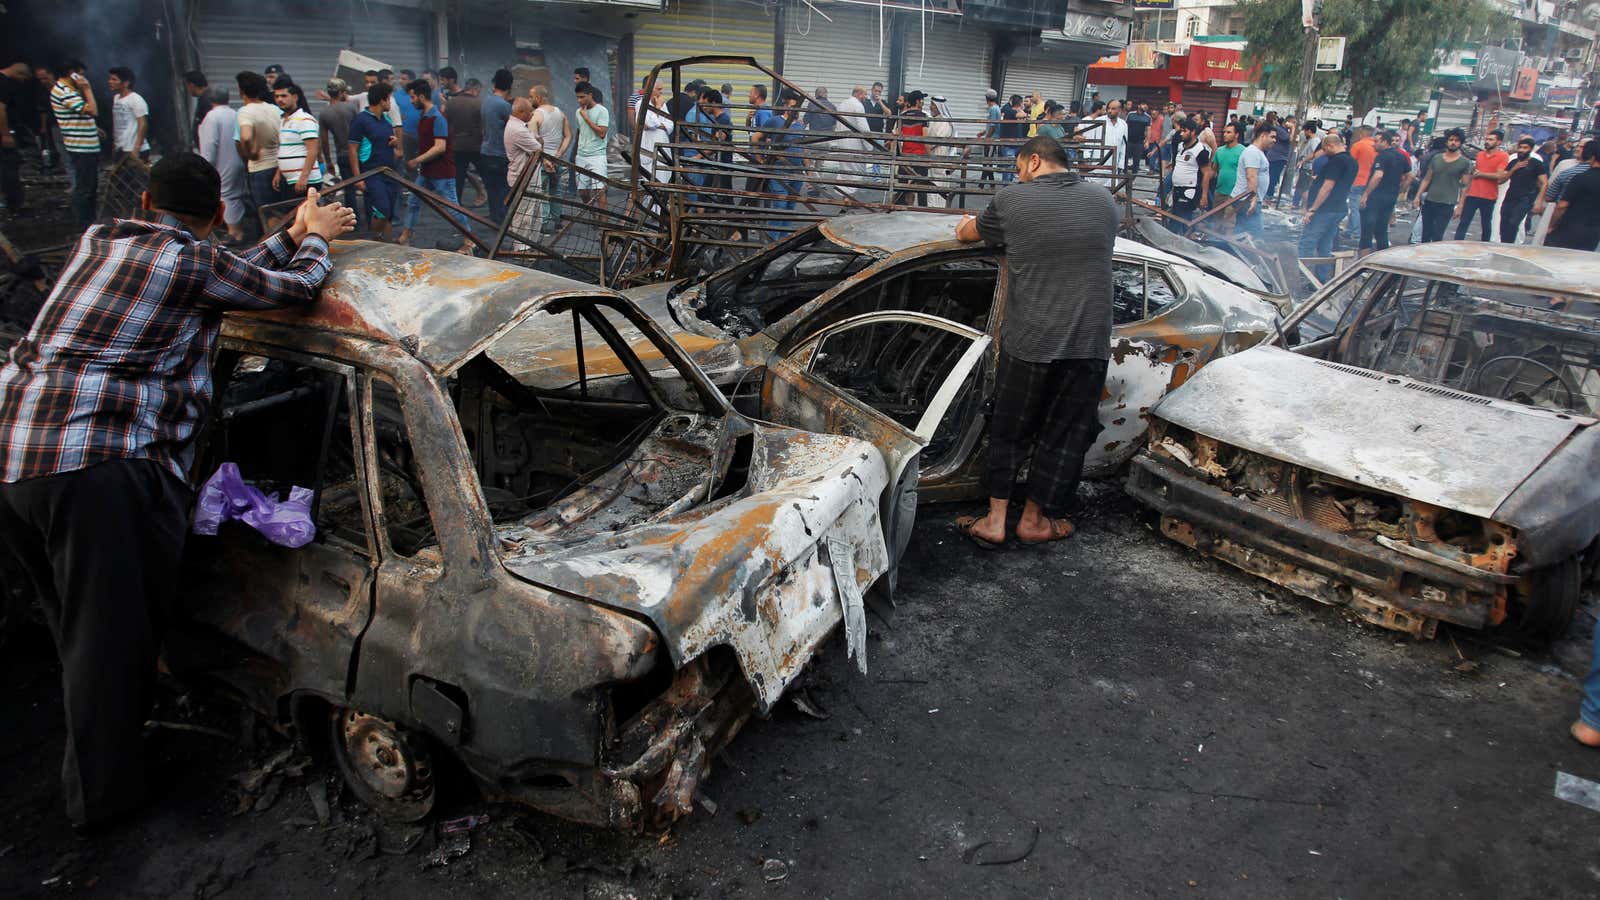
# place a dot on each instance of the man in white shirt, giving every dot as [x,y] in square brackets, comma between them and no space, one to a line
[1254,178]
[657,130]
[130,115]
[523,147]
[554,131]
[852,112]
[215,145]
[1114,134]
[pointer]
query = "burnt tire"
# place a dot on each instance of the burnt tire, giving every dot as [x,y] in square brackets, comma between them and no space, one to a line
[388,767]
[1545,609]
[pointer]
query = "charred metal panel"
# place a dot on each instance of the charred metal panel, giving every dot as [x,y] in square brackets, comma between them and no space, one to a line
[751,572]
[1403,437]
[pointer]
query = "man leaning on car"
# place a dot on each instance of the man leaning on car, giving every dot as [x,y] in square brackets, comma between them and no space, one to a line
[1059,233]
[99,407]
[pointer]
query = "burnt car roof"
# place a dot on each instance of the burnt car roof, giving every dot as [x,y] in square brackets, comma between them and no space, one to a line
[882,234]
[1512,266]
[442,307]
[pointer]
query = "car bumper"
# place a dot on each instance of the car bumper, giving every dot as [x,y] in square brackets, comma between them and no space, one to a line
[1387,587]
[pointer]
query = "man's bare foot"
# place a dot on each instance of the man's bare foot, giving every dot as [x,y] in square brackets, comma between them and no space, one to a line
[1042,530]
[404,238]
[1585,735]
[466,249]
[985,529]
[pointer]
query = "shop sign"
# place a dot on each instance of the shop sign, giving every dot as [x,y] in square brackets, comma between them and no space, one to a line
[1107,30]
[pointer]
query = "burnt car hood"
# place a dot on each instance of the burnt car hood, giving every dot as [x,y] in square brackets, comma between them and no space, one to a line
[1454,450]
[754,572]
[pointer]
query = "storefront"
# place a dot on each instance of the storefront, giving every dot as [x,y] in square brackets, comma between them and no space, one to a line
[837,46]
[1204,78]
[705,28]
[950,59]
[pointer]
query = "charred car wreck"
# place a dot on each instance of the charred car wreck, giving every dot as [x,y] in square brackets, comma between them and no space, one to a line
[1419,446]
[581,593]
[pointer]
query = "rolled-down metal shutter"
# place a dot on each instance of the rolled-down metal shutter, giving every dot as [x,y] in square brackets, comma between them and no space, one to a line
[837,55]
[1211,100]
[705,28]
[1038,69]
[1155,96]
[953,63]
[305,38]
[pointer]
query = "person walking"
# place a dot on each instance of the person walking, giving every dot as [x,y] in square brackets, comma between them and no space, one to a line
[1560,177]
[1527,176]
[372,143]
[877,112]
[1328,205]
[198,89]
[1280,155]
[99,407]
[1442,181]
[912,127]
[259,120]
[73,105]
[1225,164]
[1190,173]
[1254,178]
[656,130]
[1059,232]
[299,143]
[1137,145]
[215,145]
[1364,151]
[1011,130]
[1576,221]
[1483,188]
[1114,134]
[1391,173]
[333,128]
[492,161]
[435,163]
[522,148]
[14,80]
[594,123]
[130,114]
[464,113]
[554,131]
[1308,151]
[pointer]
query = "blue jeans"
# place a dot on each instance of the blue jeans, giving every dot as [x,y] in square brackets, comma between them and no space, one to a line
[380,196]
[1317,240]
[1247,222]
[444,187]
[1589,710]
[1010,172]
[1352,202]
[789,189]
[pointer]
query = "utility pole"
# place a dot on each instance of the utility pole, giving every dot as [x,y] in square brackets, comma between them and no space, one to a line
[1311,18]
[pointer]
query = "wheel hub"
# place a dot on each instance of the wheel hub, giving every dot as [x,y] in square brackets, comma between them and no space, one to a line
[380,756]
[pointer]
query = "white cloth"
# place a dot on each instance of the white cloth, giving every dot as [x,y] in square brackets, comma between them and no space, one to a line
[1115,135]
[216,147]
[125,115]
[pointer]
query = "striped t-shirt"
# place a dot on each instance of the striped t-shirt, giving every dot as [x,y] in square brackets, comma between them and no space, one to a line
[297,128]
[78,131]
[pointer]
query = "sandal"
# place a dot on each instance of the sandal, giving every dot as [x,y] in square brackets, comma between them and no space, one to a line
[964,525]
[1060,530]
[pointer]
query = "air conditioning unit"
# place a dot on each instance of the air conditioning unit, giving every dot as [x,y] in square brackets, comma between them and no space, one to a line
[1573,53]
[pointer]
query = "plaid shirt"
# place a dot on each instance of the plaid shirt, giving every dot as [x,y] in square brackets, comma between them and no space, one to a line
[118,362]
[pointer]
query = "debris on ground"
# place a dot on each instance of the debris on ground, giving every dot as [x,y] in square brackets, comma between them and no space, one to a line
[1577,790]
[452,847]
[990,853]
[465,823]
[774,870]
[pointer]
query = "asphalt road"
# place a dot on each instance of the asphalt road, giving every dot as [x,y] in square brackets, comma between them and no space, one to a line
[1115,714]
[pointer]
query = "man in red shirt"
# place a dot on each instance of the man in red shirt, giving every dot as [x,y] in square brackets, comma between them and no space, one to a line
[1484,187]
[436,163]
[1364,152]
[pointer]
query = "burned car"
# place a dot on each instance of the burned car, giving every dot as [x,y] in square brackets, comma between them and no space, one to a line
[784,334]
[1418,444]
[579,594]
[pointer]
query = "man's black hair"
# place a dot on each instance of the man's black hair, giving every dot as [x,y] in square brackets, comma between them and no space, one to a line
[196,78]
[73,65]
[1075,108]
[378,94]
[1264,128]
[448,73]
[1015,99]
[502,79]
[124,73]
[252,85]
[584,87]
[582,72]
[1456,133]
[373,73]
[760,89]
[1591,151]
[472,83]
[385,72]
[295,89]
[1386,134]
[186,185]
[712,96]
[1309,128]
[1527,140]
[1046,148]
[1499,134]
[420,86]
[408,72]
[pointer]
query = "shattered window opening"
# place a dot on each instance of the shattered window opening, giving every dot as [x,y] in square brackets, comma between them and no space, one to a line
[1140,291]
[409,527]
[749,298]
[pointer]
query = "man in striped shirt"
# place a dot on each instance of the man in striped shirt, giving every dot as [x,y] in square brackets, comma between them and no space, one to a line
[74,107]
[100,408]
[299,141]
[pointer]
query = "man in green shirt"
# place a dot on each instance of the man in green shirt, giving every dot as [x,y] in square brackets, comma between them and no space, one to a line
[1225,163]
[1442,181]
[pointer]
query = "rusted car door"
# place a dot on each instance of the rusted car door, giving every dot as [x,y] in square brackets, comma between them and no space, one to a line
[303,608]
[836,380]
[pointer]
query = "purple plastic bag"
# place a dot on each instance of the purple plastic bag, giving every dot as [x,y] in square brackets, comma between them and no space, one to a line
[227,496]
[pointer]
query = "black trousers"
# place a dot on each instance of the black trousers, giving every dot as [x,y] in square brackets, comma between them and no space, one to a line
[1435,219]
[1512,212]
[463,160]
[11,178]
[493,170]
[99,548]
[1375,221]
[1484,210]
[1053,409]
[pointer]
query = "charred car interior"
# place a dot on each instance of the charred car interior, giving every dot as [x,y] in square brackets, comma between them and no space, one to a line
[1401,456]
[579,594]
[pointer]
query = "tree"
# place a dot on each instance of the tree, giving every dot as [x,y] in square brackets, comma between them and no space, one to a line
[1390,45]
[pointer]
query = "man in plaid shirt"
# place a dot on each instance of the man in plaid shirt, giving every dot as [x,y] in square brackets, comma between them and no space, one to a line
[99,408]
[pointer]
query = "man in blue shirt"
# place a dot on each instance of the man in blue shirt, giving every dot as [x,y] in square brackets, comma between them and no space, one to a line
[788,162]
[496,111]
[761,117]
[372,145]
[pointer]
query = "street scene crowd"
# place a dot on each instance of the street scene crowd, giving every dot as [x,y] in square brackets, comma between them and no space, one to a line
[106,395]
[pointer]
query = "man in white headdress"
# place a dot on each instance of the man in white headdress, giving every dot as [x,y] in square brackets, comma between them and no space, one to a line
[941,146]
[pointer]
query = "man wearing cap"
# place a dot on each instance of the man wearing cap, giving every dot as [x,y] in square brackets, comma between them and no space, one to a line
[272,73]
[100,405]
[333,125]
